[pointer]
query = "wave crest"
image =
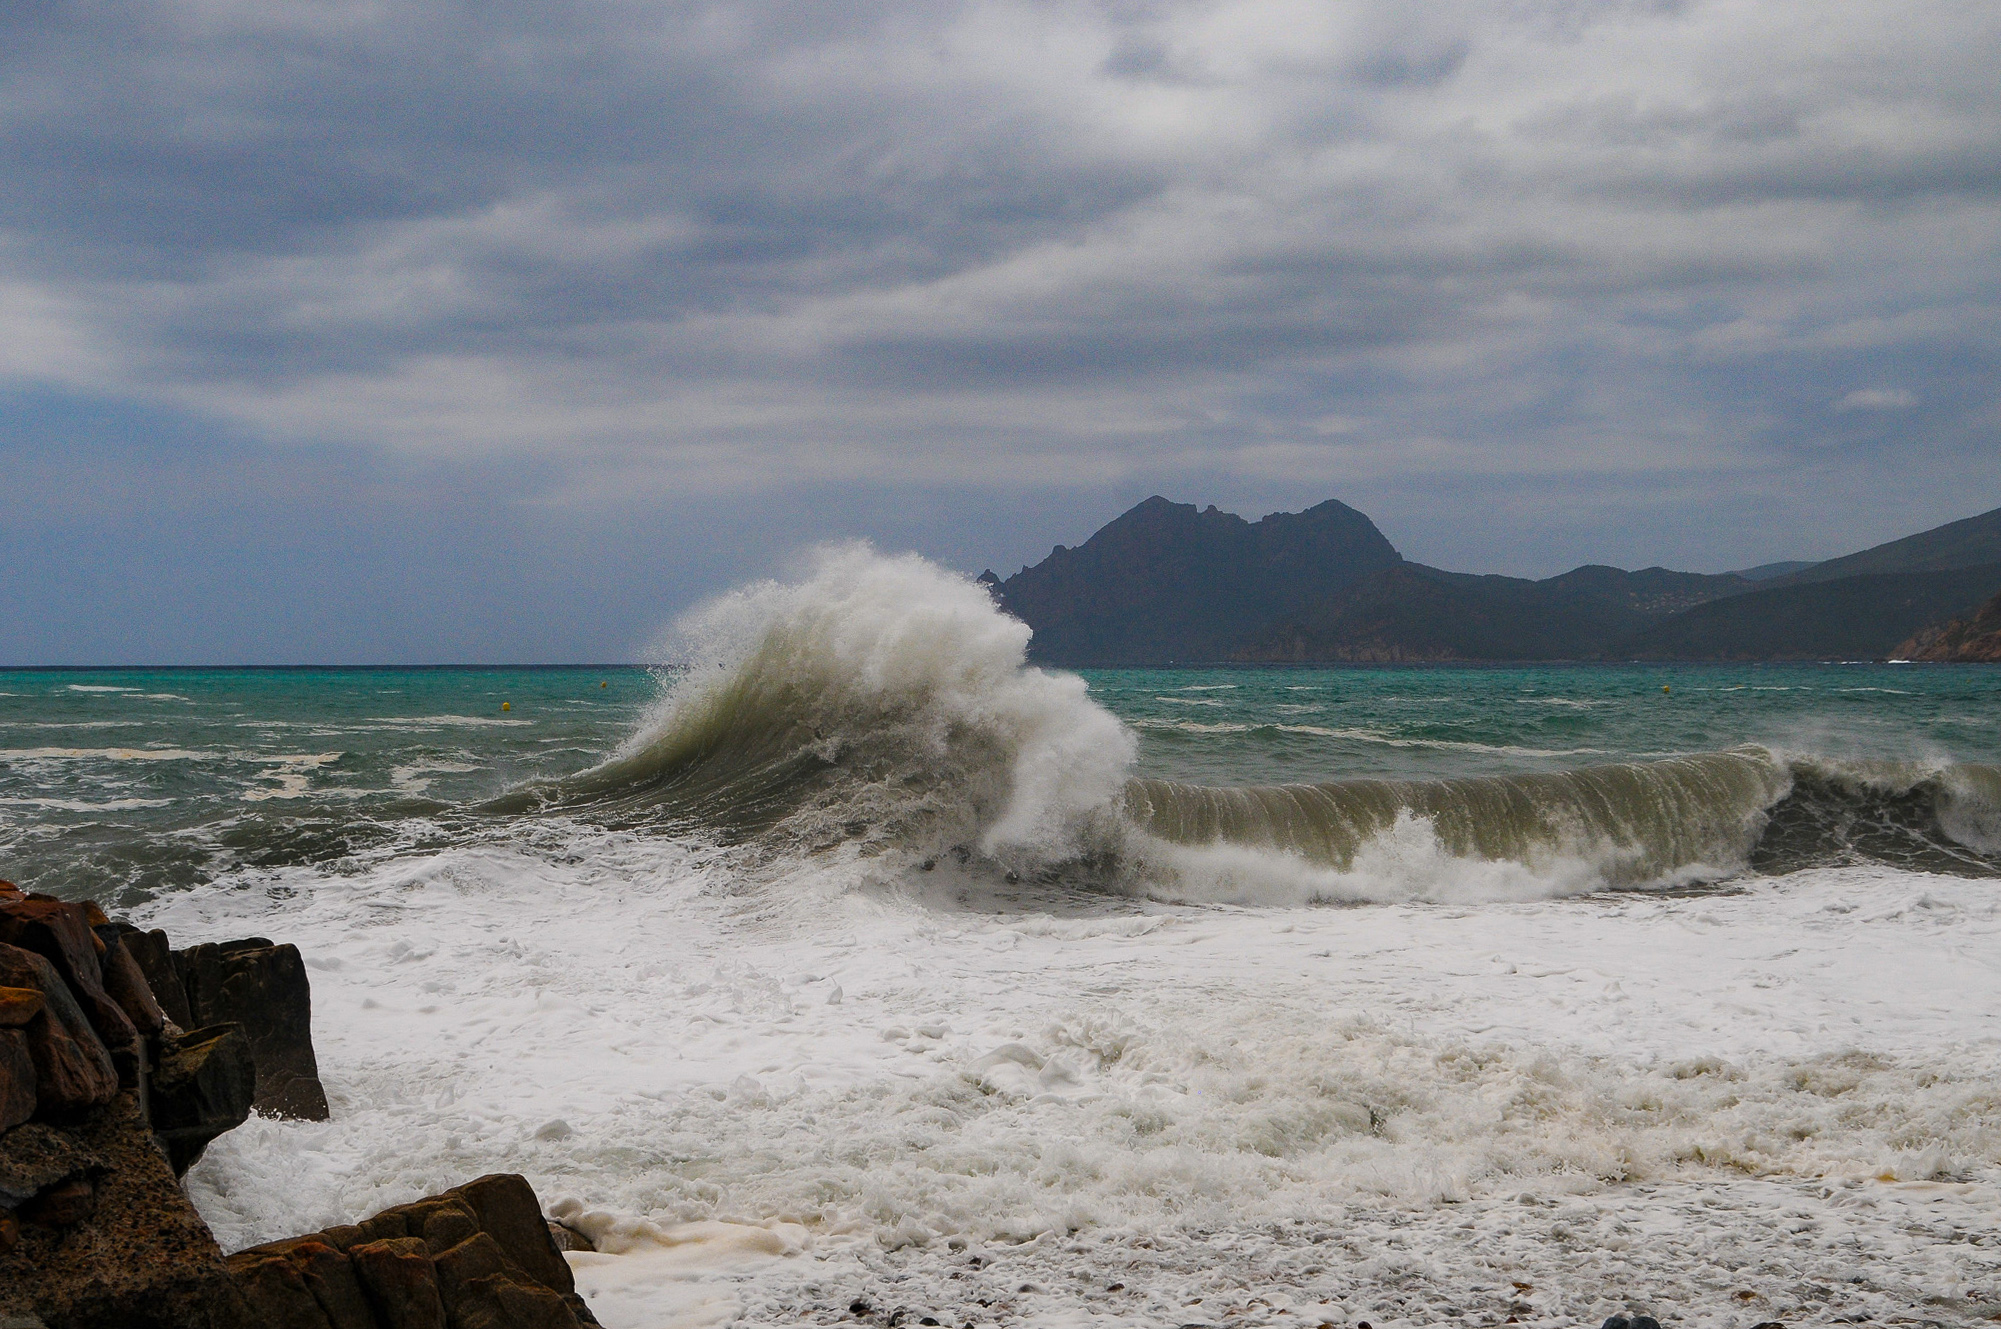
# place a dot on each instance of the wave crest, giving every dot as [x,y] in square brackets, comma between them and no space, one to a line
[879,699]
[886,705]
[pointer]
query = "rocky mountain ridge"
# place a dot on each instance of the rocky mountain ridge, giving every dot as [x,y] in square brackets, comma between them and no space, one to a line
[1167,583]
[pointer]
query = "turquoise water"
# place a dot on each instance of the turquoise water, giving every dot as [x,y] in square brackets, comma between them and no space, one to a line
[1271,725]
[119,784]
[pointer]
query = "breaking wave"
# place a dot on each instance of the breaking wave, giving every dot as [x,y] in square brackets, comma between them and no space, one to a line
[885,706]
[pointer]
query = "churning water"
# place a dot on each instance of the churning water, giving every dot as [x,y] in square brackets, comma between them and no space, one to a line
[845,959]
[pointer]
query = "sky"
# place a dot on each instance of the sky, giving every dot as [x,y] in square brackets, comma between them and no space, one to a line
[356,331]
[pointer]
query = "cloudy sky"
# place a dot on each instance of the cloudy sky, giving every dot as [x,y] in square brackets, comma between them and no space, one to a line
[348,330]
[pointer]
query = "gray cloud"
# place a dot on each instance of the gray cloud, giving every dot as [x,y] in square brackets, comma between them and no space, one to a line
[1299,248]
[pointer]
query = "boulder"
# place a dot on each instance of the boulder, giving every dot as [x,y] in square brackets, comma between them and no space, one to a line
[507,1209]
[17,1079]
[401,1282]
[60,933]
[37,1158]
[202,1087]
[329,1275]
[155,958]
[18,1006]
[73,1073]
[263,988]
[140,1259]
[476,1256]
[275,1295]
[126,983]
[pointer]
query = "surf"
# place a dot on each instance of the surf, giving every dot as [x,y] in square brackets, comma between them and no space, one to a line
[884,706]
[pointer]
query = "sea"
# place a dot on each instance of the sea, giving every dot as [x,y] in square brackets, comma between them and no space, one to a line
[843,967]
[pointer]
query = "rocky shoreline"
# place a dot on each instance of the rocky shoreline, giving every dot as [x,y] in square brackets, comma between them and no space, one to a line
[121,1058]
[1973,639]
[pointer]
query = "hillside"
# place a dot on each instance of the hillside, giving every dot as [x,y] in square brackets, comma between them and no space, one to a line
[1975,639]
[1974,542]
[1854,618]
[1412,612]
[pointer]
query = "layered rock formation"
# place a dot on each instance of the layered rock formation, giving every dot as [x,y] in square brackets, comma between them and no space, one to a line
[105,1099]
[1972,639]
[479,1256]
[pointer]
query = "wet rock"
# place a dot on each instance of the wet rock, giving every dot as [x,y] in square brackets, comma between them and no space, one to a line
[34,1158]
[73,1073]
[569,1239]
[275,1296]
[484,1250]
[499,1302]
[203,1086]
[142,1259]
[155,958]
[508,1210]
[126,984]
[401,1282]
[1627,1321]
[17,1079]
[264,989]
[64,1204]
[60,933]
[18,1006]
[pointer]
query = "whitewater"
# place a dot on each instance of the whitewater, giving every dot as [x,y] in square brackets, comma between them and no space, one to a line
[850,968]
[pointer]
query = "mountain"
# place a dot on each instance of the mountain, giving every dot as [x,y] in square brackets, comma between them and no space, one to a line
[1853,618]
[1412,612]
[1166,582]
[1975,639]
[1961,544]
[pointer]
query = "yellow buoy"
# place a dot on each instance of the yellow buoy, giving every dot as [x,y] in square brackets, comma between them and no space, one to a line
[507,706]
[1664,687]
[604,685]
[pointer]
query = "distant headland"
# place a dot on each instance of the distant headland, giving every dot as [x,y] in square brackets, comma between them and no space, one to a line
[1168,583]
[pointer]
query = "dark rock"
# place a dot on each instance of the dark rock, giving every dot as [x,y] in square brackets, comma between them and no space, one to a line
[478,1256]
[60,933]
[203,1087]
[10,1231]
[64,1204]
[330,1276]
[275,1295]
[385,1226]
[73,1073]
[36,1157]
[155,958]
[125,983]
[483,1250]
[446,1226]
[264,989]
[342,1236]
[17,1079]
[508,1210]
[18,1006]
[142,1260]
[401,1282]
[568,1238]
[500,1302]
[1631,1322]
